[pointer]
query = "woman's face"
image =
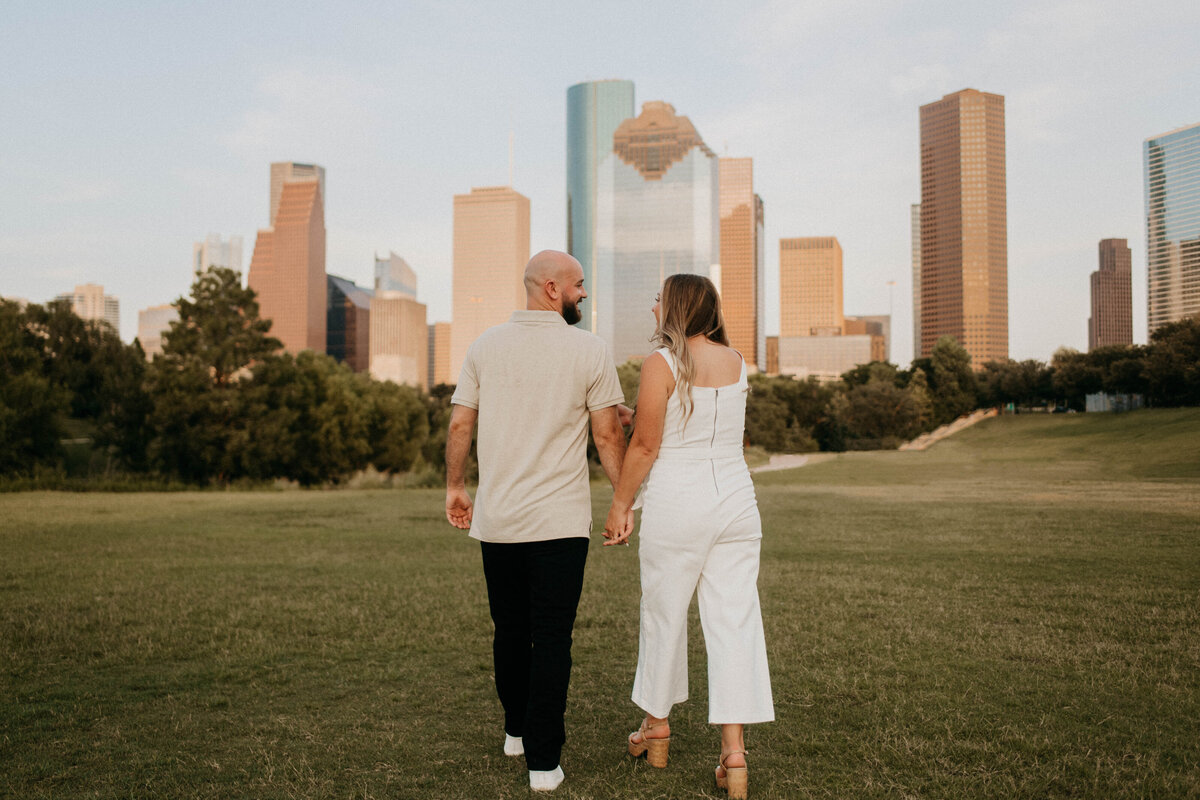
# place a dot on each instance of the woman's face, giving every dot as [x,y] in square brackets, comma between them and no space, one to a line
[654,309]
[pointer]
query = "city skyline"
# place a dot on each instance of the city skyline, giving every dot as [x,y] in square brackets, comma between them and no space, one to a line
[824,100]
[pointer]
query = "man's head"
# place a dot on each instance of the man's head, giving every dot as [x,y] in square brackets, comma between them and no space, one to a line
[554,282]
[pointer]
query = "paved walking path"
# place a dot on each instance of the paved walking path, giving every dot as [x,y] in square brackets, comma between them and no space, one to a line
[925,440]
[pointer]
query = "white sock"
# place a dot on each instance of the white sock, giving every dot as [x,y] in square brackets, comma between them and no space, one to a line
[513,746]
[546,781]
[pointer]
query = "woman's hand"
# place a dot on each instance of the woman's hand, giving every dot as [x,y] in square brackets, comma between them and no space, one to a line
[619,524]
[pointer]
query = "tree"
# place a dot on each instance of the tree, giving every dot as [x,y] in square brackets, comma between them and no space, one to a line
[1073,377]
[398,424]
[952,383]
[306,418]
[781,413]
[1172,364]
[219,327]
[31,405]
[195,409]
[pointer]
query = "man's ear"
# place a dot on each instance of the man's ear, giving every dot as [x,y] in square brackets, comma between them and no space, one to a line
[552,289]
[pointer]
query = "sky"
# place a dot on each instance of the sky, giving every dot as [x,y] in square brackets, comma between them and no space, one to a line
[128,131]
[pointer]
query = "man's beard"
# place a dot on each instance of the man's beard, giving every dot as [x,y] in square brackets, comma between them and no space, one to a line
[571,313]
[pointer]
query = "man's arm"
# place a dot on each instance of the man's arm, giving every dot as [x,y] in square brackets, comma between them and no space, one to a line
[610,441]
[458,447]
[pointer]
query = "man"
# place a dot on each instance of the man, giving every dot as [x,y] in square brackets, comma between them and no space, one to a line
[534,383]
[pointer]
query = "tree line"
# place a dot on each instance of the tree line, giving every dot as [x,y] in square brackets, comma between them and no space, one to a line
[223,403]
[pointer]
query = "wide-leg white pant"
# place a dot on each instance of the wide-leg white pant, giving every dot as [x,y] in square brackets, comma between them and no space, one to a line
[708,546]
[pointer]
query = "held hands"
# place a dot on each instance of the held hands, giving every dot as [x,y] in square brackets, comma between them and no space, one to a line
[458,507]
[625,415]
[619,524]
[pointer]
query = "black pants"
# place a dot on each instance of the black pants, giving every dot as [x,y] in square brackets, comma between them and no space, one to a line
[533,592]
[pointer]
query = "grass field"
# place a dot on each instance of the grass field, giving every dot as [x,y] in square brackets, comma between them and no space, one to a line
[1013,613]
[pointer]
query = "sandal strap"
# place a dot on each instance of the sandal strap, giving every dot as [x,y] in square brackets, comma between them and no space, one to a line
[725,757]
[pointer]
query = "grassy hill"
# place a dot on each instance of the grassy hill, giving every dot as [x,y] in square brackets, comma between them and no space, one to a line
[1012,613]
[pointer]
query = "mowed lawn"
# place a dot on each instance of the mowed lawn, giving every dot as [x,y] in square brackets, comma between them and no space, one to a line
[1013,613]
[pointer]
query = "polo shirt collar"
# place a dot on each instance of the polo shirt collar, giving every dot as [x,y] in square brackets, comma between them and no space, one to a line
[526,317]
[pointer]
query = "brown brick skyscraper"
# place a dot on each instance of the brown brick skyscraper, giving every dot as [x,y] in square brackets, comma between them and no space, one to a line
[1112,296]
[287,270]
[742,256]
[964,225]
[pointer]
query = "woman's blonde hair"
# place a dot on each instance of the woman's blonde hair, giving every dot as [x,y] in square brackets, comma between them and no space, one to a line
[688,305]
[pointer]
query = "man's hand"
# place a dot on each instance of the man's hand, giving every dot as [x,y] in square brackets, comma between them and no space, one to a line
[625,414]
[459,508]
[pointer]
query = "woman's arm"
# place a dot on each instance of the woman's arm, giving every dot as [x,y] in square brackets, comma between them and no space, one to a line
[655,387]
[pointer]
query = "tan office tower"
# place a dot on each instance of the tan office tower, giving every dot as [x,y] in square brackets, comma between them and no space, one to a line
[439,354]
[287,270]
[964,227]
[89,301]
[742,260]
[810,287]
[290,172]
[491,248]
[399,343]
[153,323]
[1111,321]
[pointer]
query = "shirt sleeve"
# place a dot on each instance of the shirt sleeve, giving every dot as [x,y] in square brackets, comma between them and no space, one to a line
[466,393]
[604,390]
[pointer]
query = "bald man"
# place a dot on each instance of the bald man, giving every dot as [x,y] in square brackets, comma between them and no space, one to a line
[534,384]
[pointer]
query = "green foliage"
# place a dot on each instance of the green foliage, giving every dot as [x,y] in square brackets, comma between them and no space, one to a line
[876,415]
[782,413]
[952,383]
[218,328]
[31,404]
[630,375]
[1022,383]
[1172,364]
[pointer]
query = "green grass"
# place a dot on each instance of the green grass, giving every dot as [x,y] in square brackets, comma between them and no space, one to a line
[1012,613]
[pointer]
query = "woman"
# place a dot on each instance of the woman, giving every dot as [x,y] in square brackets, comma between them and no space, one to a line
[700,529]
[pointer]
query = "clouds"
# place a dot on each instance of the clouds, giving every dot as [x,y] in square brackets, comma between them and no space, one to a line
[314,109]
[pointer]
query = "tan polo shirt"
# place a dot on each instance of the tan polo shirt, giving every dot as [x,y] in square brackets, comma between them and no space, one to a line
[534,380]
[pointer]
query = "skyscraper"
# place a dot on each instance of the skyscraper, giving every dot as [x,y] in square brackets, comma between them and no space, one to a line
[742,260]
[153,322]
[915,227]
[90,302]
[291,172]
[393,274]
[657,214]
[1172,164]
[964,228]
[1111,321]
[491,248]
[810,287]
[348,323]
[594,111]
[399,340]
[439,354]
[215,252]
[287,270]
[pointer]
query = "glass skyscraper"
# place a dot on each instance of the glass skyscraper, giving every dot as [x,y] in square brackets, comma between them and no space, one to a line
[594,111]
[1172,163]
[657,214]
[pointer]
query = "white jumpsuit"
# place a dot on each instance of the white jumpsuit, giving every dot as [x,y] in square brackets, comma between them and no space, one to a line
[700,534]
